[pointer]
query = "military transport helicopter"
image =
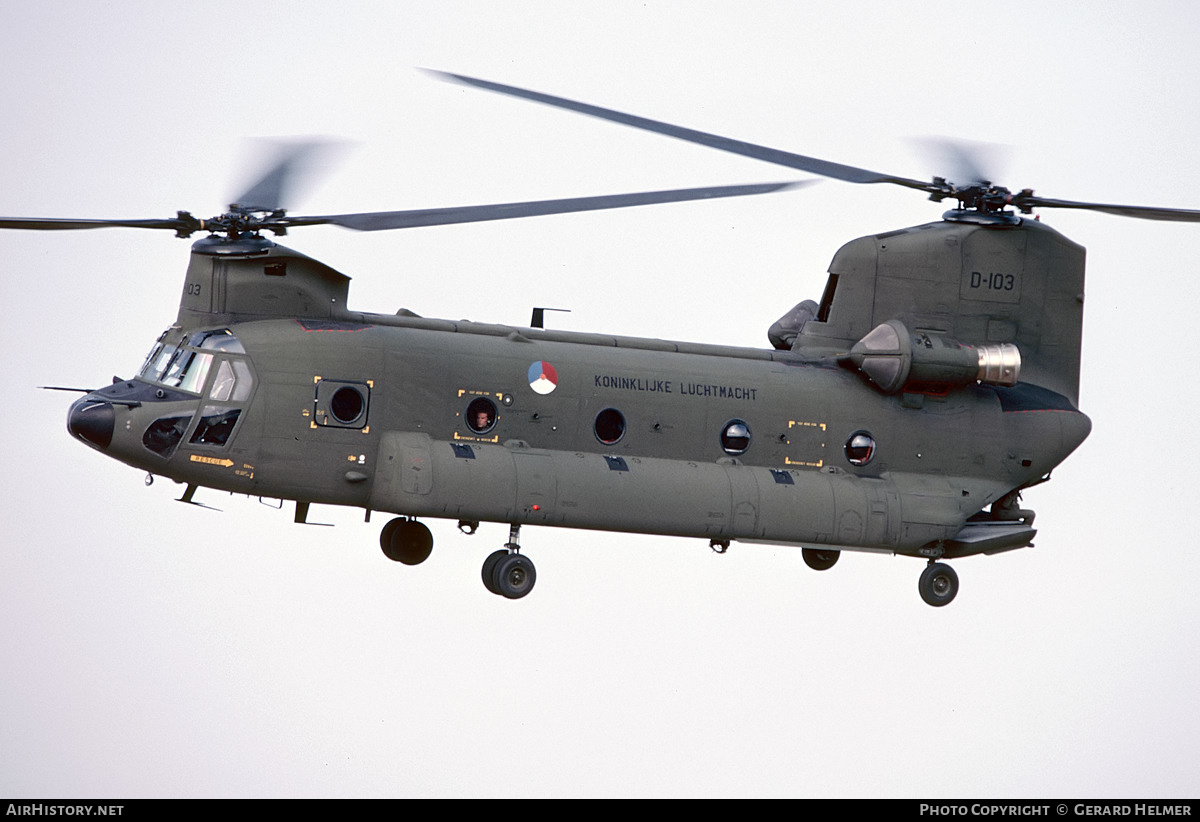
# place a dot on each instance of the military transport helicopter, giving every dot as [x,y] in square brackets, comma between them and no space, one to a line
[905,412]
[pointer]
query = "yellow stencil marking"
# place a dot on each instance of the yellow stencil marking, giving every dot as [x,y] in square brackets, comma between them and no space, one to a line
[811,426]
[459,436]
[224,463]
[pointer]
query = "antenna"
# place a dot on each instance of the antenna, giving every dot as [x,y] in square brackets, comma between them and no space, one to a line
[538,320]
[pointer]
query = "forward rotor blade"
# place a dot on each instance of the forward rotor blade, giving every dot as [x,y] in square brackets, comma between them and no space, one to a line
[51,224]
[837,171]
[382,220]
[967,163]
[270,191]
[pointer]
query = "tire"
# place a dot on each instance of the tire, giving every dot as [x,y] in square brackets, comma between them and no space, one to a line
[820,559]
[387,535]
[938,584]
[416,542]
[514,576]
[489,567]
[406,541]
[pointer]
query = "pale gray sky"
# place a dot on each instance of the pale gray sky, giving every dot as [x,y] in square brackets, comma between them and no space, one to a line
[157,649]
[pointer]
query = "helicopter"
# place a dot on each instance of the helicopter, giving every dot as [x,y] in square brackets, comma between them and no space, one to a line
[904,412]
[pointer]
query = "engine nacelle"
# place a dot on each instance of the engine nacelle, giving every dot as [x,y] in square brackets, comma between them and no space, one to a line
[894,359]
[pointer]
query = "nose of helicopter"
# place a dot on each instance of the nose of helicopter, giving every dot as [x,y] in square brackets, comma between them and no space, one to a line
[92,421]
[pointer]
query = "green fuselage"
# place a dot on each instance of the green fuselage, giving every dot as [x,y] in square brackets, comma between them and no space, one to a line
[553,456]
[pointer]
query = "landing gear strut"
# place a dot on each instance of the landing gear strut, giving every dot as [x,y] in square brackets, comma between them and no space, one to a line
[938,584]
[507,572]
[406,540]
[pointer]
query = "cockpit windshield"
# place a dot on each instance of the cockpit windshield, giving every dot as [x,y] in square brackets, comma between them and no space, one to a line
[183,361]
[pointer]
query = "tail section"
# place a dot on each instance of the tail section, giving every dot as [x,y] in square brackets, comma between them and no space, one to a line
[987,284]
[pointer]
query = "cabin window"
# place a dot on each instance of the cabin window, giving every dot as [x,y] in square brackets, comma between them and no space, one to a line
[223,383]
[222,340]
[185,366]
[735,437]
[338,403]
[155,362]
[158,361]
[163,435]
[160,356]
[481,415]
[860,448]
[215,426]
[232,382]
[610,426]
[195,372]
[347,404]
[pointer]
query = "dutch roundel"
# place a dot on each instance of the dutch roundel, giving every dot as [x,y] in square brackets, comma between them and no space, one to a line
[542,377]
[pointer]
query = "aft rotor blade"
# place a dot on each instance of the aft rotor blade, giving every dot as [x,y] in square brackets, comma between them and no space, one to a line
[1181,215]
[837,171]
[382,220]
[52,224]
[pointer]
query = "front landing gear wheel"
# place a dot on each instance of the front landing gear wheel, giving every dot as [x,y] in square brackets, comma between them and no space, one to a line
[938,584]
[513,576]
[406,540]
[819,559]
[489,568]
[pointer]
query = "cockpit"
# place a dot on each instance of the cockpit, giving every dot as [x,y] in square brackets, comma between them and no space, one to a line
[212,364]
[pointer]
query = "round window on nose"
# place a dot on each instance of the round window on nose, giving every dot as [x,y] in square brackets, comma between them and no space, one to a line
[860,448]
[346,405]
[735,437]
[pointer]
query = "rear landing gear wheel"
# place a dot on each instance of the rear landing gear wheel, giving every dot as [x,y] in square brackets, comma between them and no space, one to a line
[938,584]
[819,559]
[406,540]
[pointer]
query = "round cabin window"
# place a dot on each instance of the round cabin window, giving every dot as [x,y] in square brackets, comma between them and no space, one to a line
[481,415]
[860,448]
[346,405]
[735,437]
[610,426]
